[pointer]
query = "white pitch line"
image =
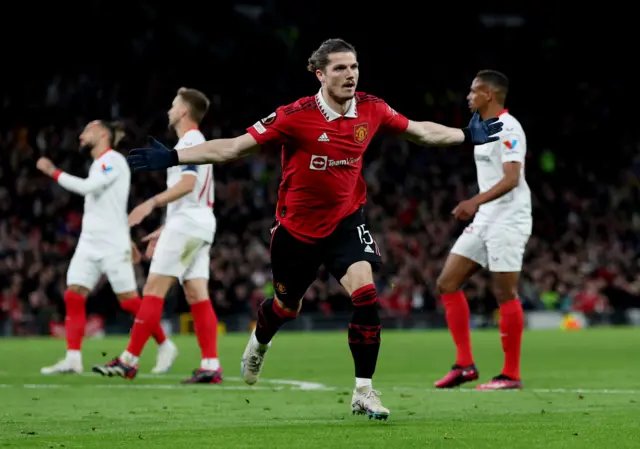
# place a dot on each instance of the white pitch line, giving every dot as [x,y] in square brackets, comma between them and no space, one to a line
[294,384]
[298,384]
[277,384]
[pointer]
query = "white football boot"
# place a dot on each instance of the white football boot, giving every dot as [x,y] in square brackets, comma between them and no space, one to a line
[167,354]
[366,401]
[64,366]
[253,359]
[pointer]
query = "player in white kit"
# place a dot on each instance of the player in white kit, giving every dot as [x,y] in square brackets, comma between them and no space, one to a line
[104,246]
[180,249]
[496,238]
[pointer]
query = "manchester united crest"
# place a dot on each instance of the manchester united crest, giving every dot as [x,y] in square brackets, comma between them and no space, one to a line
[280,288]
[360,133]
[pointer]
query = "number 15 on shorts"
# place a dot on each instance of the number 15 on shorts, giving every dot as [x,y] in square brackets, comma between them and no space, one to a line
[367,239]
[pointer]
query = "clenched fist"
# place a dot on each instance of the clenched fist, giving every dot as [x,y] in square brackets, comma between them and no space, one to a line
[45,165]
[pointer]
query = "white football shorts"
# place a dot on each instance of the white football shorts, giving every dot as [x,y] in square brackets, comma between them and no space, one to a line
[89,262]
[500,248]
[181,256]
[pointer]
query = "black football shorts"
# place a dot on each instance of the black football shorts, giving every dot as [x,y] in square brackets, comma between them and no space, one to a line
[295,263]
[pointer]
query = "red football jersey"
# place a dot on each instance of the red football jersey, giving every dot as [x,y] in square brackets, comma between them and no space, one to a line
[322,154]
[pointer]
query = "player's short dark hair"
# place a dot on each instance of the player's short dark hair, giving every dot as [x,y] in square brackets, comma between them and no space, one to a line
[197,101]
[497,80]
[116,131]
[320,58]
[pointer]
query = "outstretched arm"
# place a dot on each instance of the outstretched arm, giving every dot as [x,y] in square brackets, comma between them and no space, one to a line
[433,134]
[271,129]
[478,132]
[218,151]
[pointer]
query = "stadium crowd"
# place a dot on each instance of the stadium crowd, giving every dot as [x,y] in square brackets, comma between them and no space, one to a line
[583,254]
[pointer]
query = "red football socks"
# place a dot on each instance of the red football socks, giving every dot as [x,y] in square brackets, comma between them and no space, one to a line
[511,328]
[132,306]
[458,319]
[146,322]
[75,319]
[205,323]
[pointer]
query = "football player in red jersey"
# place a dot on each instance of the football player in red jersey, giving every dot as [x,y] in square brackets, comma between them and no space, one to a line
[319,216]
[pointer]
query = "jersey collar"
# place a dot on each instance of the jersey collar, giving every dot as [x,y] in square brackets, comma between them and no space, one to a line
[103,153]
[331,115]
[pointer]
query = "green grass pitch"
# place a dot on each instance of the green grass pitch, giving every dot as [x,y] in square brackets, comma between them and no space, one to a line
[582,390]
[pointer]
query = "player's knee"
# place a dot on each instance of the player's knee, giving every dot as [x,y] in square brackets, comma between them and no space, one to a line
[505,286]
[157,285]
[196,290]
[358,275]
[504,293]
[446,284]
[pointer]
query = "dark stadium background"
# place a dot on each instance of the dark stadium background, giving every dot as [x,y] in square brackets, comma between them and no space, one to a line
[572,88]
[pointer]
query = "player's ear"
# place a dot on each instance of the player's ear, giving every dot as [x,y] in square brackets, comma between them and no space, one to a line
[320,75]
[491,93]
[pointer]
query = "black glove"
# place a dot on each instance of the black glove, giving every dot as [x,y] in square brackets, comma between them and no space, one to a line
[480,132]
[154,157]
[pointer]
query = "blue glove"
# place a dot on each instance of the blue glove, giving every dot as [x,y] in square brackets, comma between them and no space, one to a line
[480,132]
[154,157]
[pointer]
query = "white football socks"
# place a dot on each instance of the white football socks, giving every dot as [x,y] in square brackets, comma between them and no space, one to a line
[74,356]
[210,364]
[129,359]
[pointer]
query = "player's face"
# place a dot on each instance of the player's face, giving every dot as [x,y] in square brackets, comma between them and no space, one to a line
[341,76]
[177,111]
[479,95]
[90,136]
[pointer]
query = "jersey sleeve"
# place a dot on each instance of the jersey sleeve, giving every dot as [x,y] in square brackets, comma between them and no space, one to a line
[98,179]
[191,139]
[391,121]
[513,147]
[275,128]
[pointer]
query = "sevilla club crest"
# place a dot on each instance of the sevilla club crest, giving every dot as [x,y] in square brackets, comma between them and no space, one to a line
[360,133]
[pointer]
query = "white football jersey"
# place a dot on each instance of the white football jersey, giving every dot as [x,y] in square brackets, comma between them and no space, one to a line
[514,208]
[193,213]
[106,196]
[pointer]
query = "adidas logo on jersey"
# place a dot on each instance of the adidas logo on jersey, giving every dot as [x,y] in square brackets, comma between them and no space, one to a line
[368,249]
[323,138]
